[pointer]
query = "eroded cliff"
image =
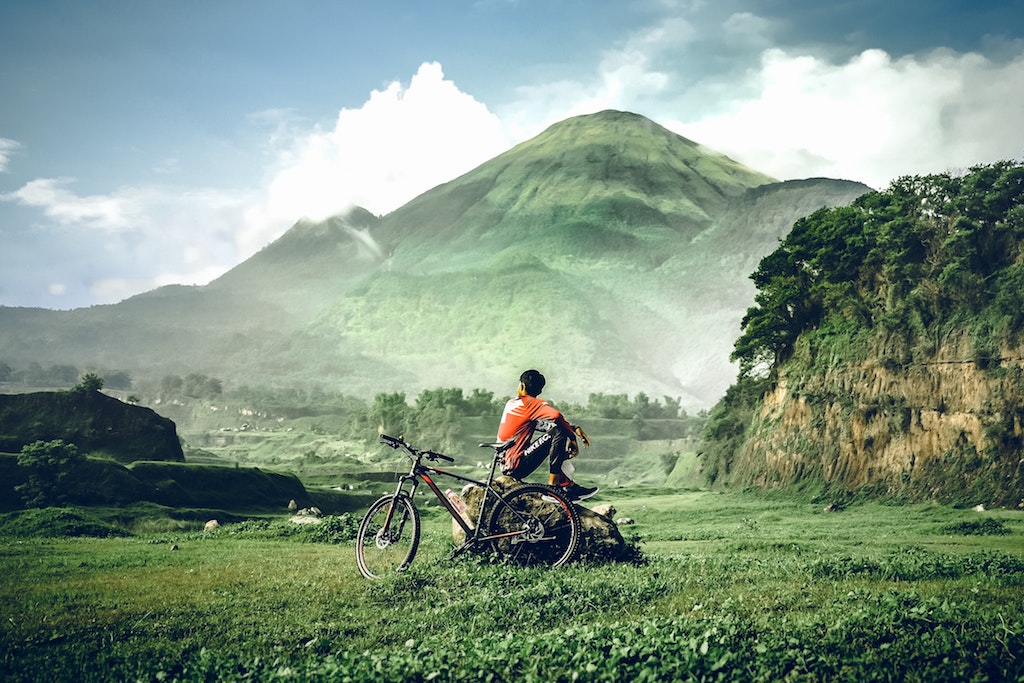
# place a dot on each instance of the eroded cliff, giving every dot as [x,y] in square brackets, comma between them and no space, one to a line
[884,354]
[948,427]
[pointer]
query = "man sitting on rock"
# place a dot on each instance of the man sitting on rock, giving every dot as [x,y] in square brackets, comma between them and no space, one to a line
[527,414]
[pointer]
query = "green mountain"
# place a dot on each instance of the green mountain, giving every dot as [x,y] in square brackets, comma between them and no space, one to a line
[607,251]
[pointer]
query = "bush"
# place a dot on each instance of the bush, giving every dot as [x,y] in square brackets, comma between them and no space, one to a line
[986,527]
[50,465]
[56,523]
[333,529]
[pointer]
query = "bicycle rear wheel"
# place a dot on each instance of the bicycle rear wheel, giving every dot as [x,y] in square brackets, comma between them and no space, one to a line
[384,546]
[534,525]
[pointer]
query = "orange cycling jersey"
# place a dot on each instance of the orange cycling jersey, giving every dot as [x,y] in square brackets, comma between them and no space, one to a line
[519,419]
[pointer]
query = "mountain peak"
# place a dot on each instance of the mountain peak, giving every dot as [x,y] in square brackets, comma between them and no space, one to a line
[599,179]
[631,140]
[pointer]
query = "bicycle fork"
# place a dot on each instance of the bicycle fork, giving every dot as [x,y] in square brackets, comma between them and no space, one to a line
[385,535]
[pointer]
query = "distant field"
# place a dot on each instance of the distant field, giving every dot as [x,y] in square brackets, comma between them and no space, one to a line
[314,449]
[734,586]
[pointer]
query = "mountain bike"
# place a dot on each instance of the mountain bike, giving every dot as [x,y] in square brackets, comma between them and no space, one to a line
[525,524]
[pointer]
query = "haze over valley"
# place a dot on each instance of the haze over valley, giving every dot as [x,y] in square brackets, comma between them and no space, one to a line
[608,251]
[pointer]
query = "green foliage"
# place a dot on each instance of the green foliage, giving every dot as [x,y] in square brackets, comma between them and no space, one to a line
[936,249]
[334,529]
[896,274]
[51,466]
[55,522]
[727,427]
[89,383]
[620,407]
[330,529]
[985,527]
[752,588]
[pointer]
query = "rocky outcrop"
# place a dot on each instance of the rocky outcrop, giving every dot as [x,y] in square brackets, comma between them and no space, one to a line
[947,426]
[92,421]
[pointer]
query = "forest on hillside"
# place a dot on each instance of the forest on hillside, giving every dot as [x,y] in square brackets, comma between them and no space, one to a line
[889,279]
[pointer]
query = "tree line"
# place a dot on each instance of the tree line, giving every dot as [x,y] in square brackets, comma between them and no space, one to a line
[60,376]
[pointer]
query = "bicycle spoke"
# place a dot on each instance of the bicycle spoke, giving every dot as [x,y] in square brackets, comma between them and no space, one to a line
[534,527]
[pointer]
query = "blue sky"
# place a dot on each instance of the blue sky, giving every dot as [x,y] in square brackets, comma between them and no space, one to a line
[148,142]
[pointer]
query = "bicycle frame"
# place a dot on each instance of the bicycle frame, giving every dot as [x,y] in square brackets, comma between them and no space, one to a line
[420,472]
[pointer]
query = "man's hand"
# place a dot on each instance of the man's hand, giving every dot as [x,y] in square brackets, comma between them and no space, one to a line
[578,431]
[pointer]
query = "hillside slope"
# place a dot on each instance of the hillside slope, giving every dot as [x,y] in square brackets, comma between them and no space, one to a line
[893,332]
[608,251]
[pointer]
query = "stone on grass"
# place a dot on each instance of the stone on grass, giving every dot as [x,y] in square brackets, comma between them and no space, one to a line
[600,538]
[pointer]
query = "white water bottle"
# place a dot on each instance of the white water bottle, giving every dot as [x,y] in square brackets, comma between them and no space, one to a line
[459,505]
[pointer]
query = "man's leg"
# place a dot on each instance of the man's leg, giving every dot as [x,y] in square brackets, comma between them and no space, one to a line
[532,457]
[557,455]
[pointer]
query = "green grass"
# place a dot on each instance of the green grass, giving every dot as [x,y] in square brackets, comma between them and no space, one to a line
[732,586]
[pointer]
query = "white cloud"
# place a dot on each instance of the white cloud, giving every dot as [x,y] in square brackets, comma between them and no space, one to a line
[870,119]
[104,212]
[627,77]
[402,142]
[6,147]
[133,239]
[791,115]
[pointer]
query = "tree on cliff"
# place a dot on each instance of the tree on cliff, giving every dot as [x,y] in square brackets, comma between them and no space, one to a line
[929,252]
[89,383]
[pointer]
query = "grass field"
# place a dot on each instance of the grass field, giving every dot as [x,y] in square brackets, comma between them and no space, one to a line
[732,586]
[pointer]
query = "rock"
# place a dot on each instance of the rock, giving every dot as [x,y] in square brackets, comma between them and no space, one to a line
[211,525]
[305,519]
[600,539]
[624,521]
[605,510]
[292,505]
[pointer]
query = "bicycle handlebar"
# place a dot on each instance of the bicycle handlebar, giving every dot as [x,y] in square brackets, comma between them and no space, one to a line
[399,442]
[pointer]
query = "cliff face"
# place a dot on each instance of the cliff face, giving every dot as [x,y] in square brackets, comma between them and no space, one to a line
[948,426]
[94,422]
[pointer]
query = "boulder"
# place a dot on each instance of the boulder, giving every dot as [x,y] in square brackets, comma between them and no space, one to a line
[600,539]
[211,525]
[305,519]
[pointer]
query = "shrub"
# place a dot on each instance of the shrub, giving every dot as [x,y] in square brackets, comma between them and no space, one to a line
[333,529]
[50,465]
[985,527]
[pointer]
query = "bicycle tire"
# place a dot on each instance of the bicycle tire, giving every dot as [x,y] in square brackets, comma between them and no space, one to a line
[551,523]
[382,551]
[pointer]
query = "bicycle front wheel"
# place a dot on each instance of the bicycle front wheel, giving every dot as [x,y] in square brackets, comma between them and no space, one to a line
[388,536]
[534,525]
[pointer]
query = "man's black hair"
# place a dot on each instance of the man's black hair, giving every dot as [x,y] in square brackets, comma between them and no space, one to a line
[533,381]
